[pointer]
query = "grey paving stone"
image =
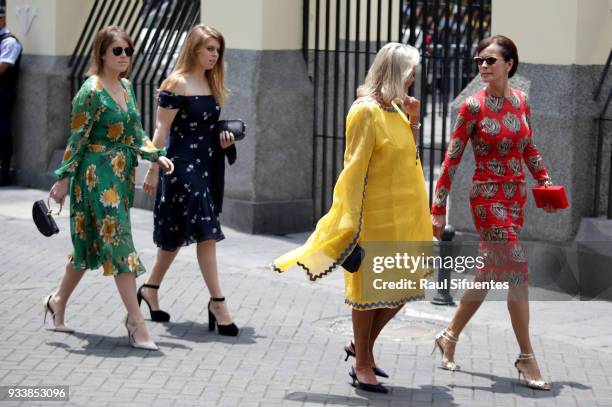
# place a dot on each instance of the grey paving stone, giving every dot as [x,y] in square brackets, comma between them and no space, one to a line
[286,354]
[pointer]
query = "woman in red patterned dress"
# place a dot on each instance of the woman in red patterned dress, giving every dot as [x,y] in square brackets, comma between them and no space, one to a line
[497,122]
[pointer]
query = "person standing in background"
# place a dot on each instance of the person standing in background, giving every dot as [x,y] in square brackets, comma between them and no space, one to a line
[10,56]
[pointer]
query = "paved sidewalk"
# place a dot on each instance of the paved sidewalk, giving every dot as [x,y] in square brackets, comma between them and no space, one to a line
[290,349]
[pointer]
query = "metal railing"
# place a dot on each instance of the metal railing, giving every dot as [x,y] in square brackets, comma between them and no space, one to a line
[339,52]
[600,120]
[158,28]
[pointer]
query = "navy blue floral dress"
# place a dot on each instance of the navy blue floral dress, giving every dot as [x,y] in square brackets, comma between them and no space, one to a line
[186,210]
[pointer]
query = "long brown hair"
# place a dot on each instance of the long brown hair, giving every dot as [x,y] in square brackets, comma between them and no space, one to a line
[104,38]
[187,61]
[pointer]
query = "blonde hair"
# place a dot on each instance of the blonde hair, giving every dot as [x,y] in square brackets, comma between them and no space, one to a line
[104,38]
[188,59]
[385,79]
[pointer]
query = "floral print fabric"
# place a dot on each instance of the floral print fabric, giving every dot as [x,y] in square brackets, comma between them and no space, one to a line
[100,158]
[185,211]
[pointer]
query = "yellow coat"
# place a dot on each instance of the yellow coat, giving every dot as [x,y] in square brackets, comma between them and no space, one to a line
[380,196]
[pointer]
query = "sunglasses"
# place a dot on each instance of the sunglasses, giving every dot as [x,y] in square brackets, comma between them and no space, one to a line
[129,51]
[489,60]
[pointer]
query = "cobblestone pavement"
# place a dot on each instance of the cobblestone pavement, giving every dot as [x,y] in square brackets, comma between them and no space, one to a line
[290,349]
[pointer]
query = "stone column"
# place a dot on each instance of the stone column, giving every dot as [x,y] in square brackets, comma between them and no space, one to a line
[563,45]
[268,189]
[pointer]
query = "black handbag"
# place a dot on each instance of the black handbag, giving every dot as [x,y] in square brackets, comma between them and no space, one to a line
[43,218]
[236,127]
[353,261]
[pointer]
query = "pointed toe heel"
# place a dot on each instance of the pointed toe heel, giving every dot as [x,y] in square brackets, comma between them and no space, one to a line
[132,327]
[373,388]
[380,373]
[48,309]
[349,352]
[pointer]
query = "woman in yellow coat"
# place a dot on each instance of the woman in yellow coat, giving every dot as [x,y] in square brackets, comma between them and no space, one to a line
[379,197]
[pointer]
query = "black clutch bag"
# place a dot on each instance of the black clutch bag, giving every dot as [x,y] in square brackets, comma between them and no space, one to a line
[43,218]
[353,261]
[237,127]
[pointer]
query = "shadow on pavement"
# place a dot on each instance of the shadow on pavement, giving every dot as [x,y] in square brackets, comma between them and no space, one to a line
[424,394]
[199,333]
[111,346]
[506,385]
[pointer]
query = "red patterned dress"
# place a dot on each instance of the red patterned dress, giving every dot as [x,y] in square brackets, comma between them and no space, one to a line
[500,131]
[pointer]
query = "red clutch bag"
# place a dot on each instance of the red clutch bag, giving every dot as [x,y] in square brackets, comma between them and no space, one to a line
[553,195]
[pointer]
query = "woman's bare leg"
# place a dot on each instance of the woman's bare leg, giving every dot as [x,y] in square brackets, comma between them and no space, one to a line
[362,331]
[68,283]
[469,304]
[163,260]
[126,285]
[518,306]
[207,259]
[381,318]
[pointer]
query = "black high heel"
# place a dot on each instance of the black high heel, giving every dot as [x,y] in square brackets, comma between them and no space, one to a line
[225,330]
[157,316]
[374,388]
[377,371]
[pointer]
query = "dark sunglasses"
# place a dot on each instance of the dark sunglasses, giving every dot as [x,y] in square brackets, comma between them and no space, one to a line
[129,51]
[489,60]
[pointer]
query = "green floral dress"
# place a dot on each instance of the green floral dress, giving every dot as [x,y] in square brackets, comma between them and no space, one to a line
[101,158]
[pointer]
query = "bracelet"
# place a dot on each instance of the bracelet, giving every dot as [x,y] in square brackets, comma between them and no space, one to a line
[415,126]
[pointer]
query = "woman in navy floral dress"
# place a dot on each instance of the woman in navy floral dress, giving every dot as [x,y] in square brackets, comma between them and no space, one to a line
[184,207]
[188,202]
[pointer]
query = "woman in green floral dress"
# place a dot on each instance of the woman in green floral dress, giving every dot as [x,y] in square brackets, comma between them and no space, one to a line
[105,139]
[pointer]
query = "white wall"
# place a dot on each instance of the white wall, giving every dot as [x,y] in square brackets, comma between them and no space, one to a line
[561,32]
[56,28]
[256,24]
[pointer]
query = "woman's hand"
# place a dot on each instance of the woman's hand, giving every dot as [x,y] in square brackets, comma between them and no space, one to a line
[59,190]
[438,222]
[227,139]
[412,106]
[151,179]
[550,209]
[547,183]
[166,165]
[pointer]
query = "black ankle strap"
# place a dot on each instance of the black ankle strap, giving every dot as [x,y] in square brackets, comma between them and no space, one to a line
[151,286]
[217,299]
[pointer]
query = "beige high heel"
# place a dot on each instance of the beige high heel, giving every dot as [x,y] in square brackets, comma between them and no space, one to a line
[132,327]
[531,383]
[47,307]
[446,364]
